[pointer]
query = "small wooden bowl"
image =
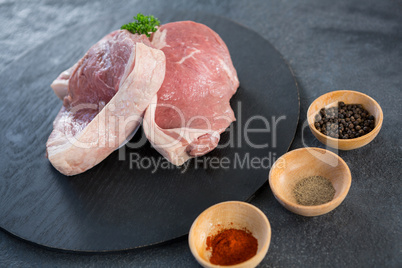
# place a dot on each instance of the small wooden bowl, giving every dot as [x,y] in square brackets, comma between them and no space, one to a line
[331,99]
[295,165]
[232,214]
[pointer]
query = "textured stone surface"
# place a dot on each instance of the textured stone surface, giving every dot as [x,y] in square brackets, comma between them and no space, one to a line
[330,45]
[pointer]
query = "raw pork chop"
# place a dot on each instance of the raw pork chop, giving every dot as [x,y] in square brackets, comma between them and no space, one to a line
[192,107]
[108,92]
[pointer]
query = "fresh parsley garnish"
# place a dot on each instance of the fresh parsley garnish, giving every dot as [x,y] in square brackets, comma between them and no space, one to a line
[142,25]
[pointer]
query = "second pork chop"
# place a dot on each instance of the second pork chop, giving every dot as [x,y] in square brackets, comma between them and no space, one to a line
[192,106]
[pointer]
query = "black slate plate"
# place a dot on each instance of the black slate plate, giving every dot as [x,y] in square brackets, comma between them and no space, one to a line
[115,206]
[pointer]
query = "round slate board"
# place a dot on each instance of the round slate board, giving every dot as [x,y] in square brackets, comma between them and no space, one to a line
[120,204]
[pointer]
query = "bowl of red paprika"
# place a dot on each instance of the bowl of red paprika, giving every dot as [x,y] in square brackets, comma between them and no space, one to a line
[233,233]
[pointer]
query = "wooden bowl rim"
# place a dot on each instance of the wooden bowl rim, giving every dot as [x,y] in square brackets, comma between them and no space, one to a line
[345,141]
[251,262]
[334,201]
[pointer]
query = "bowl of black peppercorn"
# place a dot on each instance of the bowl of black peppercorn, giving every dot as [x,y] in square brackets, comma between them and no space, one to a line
[345,119]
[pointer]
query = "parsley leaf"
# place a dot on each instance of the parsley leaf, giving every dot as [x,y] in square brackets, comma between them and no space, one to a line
[142,25]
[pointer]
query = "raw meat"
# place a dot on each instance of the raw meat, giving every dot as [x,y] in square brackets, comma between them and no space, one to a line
[108,92]
[192,107]
[60,84]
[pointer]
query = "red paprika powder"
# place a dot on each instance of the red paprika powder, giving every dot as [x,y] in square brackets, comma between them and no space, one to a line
[231,246]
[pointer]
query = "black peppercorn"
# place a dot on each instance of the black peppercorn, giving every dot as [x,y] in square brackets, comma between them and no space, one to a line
[346,121]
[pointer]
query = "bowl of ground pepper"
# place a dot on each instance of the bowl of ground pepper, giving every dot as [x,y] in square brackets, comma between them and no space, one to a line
[310,181]
[233,233]
[345,119]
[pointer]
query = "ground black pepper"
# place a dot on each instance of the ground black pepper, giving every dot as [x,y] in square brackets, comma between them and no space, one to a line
[314,190]
[346,121]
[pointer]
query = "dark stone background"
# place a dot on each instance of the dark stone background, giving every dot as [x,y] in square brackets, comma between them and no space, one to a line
[331,45]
